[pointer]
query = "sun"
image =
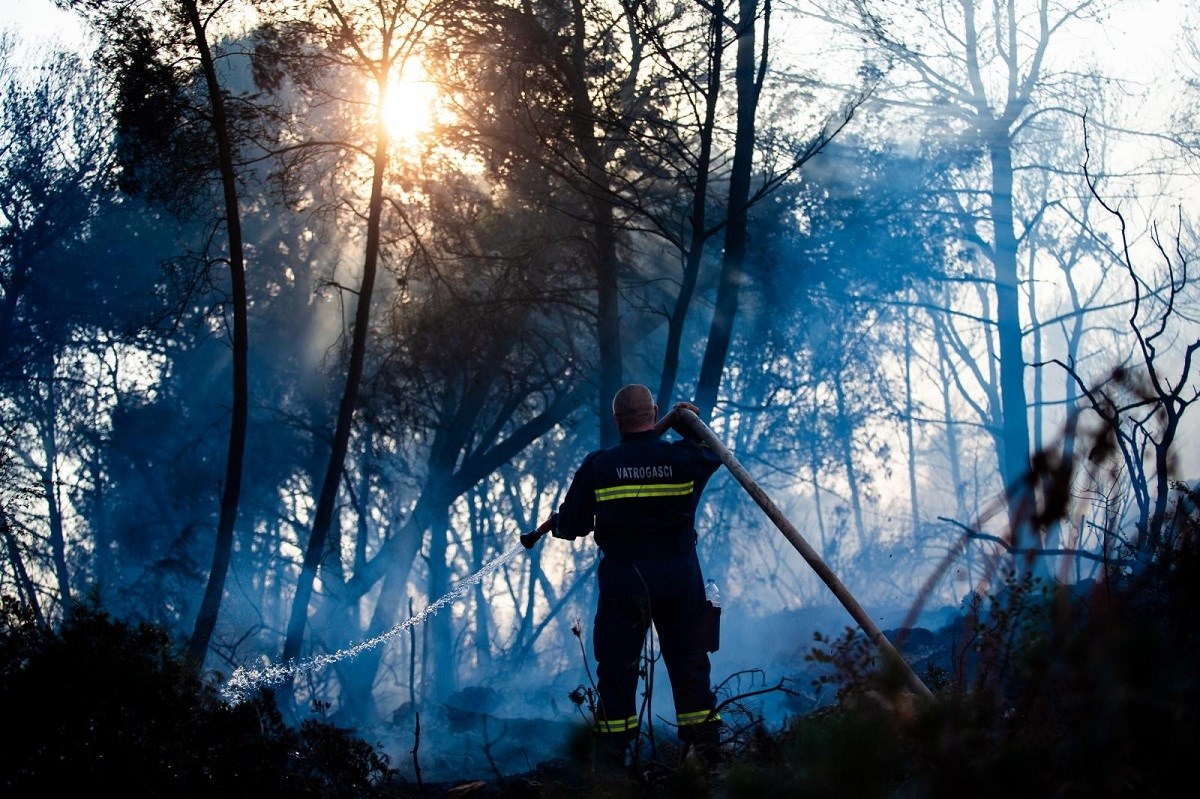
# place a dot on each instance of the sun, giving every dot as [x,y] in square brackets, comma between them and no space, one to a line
[408,111]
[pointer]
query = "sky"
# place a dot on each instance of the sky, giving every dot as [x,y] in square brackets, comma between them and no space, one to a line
[1136,31]
[1139,34]
[39,19]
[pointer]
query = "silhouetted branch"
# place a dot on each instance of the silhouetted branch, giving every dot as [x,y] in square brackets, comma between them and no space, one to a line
[1013,550]
[416,746]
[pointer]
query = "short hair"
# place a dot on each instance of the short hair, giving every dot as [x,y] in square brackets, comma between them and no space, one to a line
[633,403]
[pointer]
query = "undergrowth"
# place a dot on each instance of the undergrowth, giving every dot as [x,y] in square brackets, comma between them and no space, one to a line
[1040,689]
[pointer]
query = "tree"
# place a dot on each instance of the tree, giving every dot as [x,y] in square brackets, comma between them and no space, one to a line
[474,395]
[166,108]
[326,49]
[832,259]
[1142,403]
[748,77]
[582,75]
[692,134]
[983,72]
[713,154]
[56,169]
[56,163]
[206,618]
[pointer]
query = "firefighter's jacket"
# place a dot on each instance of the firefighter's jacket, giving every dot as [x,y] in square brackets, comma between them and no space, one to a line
[639,497]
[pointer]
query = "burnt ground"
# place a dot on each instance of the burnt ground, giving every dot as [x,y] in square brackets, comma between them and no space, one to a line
[467,748]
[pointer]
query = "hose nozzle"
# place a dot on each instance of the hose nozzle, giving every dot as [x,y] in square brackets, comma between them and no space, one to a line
[532,537]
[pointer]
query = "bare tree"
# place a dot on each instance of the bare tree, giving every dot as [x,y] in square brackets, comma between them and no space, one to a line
[1143,402]
[982,71]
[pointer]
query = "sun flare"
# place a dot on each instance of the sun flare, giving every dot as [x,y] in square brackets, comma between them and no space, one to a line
[408,110]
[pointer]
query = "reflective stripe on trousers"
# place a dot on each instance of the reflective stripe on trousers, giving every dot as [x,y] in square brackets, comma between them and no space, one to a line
[617,725]
[697,717]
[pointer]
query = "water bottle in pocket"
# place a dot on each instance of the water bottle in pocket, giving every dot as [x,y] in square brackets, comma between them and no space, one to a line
[710,617]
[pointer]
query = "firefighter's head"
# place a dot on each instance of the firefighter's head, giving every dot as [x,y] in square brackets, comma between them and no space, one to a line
[634,409]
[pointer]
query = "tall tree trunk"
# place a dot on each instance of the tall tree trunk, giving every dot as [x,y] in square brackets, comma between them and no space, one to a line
[720,333]
[327,499]
[441,681]
[609,318]
[1037,401]
[814,462]
[483,638]
[98,515]
[910,425]
[847,451]
[50,485]
[1014,452]
[604,244]
[401,552]
[952,454]
[698,234]
[206,618]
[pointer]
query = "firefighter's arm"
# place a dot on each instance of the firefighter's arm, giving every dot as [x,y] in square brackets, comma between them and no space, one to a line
[576,515]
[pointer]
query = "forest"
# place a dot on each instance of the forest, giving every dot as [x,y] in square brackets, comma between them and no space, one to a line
[309,309]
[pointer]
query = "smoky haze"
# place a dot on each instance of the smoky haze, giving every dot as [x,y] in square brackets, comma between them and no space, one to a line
[928,285]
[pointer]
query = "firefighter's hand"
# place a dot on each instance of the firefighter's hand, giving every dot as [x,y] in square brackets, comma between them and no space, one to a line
[554,531]
[677,423]
[533,536]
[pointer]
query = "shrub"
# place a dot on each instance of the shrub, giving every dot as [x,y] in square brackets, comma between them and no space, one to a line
[103,706]
[1065,691]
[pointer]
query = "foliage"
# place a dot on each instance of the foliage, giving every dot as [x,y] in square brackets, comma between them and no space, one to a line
[163,143]
[55,170]
[1055,691]
[101,704]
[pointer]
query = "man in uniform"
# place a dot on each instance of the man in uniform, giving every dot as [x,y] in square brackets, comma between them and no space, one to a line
[640,497]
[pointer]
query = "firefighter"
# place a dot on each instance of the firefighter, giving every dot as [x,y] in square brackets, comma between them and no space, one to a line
[639,497]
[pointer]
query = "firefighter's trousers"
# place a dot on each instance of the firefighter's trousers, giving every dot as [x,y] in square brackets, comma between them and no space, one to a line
[668,592]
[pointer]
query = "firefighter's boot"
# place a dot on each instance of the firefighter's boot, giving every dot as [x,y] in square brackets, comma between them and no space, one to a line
[705,739]
[611,754]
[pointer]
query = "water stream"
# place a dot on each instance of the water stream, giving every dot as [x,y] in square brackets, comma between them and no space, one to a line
[243,681]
